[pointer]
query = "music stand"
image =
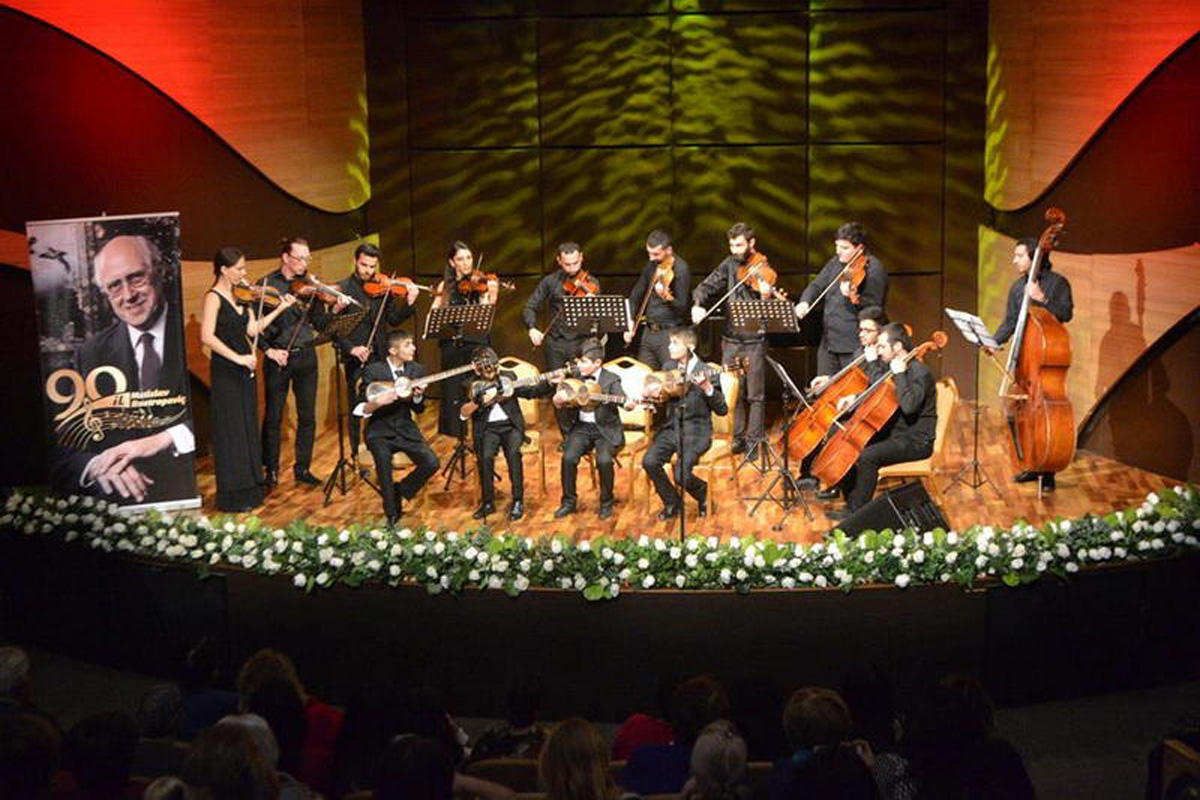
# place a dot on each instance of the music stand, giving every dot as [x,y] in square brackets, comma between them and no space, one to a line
[454,322]
[758,318]
[338,327]
[976,333]
[790,494]
[596,314]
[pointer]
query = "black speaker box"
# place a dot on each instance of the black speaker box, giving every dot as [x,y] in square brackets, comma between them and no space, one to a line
[906,506]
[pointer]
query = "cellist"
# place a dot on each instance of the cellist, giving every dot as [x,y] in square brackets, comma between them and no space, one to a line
[1050,290]
[909,434]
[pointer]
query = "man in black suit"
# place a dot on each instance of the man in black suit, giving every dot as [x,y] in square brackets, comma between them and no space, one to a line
[497,423]
[391,427]
[702,397]
[599,427]
[154,462]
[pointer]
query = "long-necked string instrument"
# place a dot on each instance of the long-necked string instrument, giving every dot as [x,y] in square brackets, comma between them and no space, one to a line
[813,423]
[871,411]
[1040,420]
[405,386]
[756,267]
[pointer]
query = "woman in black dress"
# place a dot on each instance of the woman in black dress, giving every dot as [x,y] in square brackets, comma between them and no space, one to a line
[226,328]
[457,352]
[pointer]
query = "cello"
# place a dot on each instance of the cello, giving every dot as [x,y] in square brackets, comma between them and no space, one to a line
[872,410]
[811,424]
[1041,423]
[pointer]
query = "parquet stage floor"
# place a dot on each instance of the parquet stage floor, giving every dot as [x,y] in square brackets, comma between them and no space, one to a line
[1091,484]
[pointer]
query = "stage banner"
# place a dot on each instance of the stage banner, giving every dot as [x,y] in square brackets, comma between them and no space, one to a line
[110,327]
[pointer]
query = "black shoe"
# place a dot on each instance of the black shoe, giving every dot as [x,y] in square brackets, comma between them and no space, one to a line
[1048,484]
[564,510]
[391,521]
[364,473]
[484,510]
[738,447]
[838,515]
[516,510]
[702,511]
[1028,476]
[669,512]
[270,478]
[831,493]
[306,477]
[605,511]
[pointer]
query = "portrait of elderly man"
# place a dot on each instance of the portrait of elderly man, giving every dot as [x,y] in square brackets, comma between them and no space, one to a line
[135,464]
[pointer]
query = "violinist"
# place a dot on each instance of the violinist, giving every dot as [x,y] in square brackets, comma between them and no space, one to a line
[358,346]
[561,346]
[664,305]
[290,361]
[701,399]
[226,327]
[497,423]
[457,289]
[1050,290]
[843,297]
[391,427]
[908,435]
[747,428]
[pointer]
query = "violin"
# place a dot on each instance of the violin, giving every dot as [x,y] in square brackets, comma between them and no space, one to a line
[664,274]
[477,282]
[256,292]
[855,272]
[581,284]
[308,287]
[383,284]
[758,270]
[872,411]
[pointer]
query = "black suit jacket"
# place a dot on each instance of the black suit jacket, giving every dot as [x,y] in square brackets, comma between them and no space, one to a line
[395,419]
[698,409]
[173,475]
[512,408]
[608,417]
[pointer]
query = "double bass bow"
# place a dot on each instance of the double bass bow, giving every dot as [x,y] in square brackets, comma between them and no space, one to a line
[1040,419]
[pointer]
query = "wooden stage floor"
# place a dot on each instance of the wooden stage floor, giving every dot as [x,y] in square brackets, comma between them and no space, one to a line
[1091,484]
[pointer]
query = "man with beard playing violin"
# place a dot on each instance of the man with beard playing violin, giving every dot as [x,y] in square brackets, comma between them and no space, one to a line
[908,435]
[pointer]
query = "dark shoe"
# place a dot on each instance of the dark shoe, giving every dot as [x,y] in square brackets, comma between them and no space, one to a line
[669,512]
[1026,477]
[605,511]
[306,477]
[484,510]
[516,510]
[1048,484]
[391,521]
[838,515]
[831,493]
[738,447]
[564,510]
[270,478]
[364,473]
[702,511]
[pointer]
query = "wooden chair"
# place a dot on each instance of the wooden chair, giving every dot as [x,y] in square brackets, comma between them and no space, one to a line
[637,422]
[531,412]
[759,773]
[947,399]
[720,456]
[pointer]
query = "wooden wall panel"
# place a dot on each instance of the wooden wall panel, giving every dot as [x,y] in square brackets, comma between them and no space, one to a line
[282,81]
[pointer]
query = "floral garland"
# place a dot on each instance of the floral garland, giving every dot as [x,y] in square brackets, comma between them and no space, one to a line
[321,556]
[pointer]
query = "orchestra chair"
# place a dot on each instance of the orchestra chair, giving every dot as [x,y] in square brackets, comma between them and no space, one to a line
[636,423]
[947,402]
[366,464]
[530,411]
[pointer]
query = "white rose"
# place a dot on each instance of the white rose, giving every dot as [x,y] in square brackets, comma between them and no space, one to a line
[585,546]
[300,580]
[1072,566]
[418,549]
[741,574]
[431,572]
[521,583]
[643,540]
[726,576]
[820,581]
[494,582]
[618,558]
[691,561]
[439,548]
[473,576]
[902,580]
[897,540]
[951,538]
[555,547]
[322,578]
[647,581]
[692,545]
[680,581]
[1017,563]
[675,553]
[919,557]
[643,563]
[394,571]
[548,565]
[788,582]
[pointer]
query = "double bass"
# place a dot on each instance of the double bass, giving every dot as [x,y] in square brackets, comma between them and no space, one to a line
[1041,423]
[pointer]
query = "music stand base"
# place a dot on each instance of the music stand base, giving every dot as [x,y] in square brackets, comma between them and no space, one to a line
[339,479]
[457,462]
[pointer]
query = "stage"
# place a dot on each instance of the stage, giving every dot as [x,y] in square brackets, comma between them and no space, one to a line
[1091,485]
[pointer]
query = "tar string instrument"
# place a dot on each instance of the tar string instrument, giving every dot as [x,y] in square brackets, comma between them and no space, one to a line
[871,412]
[492,386]
[671,383]
[404,386]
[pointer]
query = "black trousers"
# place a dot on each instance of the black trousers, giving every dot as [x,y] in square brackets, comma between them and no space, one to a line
[354,370]
[560,350]
[748,427]
[659,453]
[425,463]
[497,435]
[652,349]
[301,375]
[830,363]
[582,438]
[859,484]
[454,390]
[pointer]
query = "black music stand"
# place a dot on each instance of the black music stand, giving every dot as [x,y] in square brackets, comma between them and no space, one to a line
[596,314]
[758,318]
[338,327]
[790,493]
[453,323]
[972,474]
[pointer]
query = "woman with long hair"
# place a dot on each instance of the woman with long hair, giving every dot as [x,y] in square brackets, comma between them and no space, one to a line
[574,763]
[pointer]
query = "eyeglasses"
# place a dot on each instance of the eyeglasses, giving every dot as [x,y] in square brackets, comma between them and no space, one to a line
[305,259]
[131,282]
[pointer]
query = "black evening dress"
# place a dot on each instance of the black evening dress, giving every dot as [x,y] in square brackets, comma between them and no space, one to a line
[234,408]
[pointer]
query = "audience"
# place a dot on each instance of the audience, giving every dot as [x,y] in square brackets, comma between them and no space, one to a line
[520,736]
[374,716]
[718,765]
[16,686]
[29,749]
[203,702]
[868,695]
[227,764]
[97,758]
[641,729]
[663,769]
[824,763]
[574,763]
[415,768]
[159,718]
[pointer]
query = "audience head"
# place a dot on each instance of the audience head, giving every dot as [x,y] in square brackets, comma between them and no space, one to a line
[98,752]
[414,768]
[15,674]
[260,732]
[160,711]
[815,717]
[574,763]
[225,763]
[276,701]
[523,701]
[719,764]
[28,755]
[168,787]
[694,703]
[199,665]
[959,710]
[263,666]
